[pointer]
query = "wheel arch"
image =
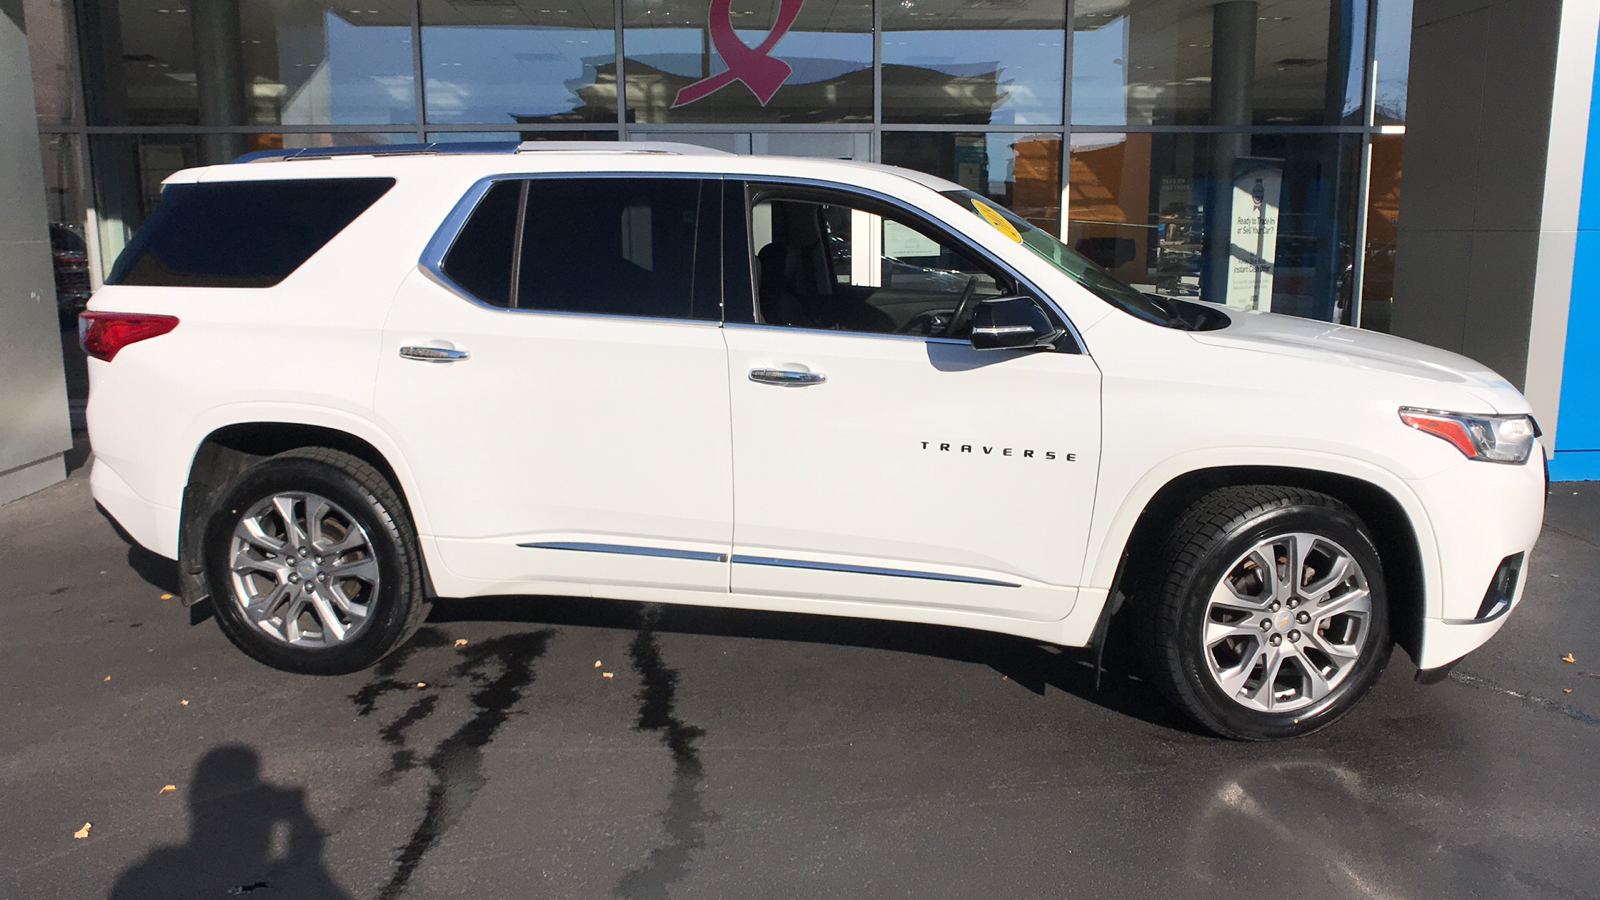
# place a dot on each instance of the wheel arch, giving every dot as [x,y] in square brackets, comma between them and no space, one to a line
[1404,548]
[229,450]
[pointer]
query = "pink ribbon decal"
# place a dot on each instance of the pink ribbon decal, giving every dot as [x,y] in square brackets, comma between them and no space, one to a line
[760,72]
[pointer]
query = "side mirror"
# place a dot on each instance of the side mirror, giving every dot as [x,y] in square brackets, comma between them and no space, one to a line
[1012,323]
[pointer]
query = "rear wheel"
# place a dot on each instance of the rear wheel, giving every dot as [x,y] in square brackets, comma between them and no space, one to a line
[313,564]
[1271,618]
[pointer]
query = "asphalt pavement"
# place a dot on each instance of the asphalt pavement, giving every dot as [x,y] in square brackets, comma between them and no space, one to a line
[553,748]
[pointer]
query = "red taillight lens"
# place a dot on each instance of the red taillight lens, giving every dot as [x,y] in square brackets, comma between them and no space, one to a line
[103,334]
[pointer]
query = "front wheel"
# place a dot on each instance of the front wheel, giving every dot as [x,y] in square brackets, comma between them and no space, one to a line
[313,564]
[1270,620]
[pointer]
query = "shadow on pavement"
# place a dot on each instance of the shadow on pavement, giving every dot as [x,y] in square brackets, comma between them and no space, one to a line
[1031,664]
[244,836]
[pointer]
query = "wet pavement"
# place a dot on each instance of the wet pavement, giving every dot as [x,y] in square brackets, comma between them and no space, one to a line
[737,754]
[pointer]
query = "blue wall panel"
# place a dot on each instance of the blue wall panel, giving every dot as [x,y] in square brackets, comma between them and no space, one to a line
[1577,456]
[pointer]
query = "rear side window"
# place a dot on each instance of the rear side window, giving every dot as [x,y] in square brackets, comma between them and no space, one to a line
[241,234]
[617,246]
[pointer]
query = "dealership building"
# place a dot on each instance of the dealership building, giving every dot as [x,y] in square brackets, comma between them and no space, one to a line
[1243,152]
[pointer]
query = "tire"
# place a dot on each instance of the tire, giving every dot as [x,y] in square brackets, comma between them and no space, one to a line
[290,598]
[1218,622]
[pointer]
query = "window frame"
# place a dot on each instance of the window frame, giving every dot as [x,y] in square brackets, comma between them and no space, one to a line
[707,270]
[755,189]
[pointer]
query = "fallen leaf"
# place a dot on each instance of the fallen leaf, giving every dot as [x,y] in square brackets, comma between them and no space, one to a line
[82,833]
[461,642]
[605,674]
[422,684]
[184,702]
[166,596]
[1569,658]
[108,677]
[1566,690]
[168,789]
[597,664]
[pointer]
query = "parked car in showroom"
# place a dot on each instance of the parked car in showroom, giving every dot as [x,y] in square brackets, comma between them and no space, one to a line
[335,385]
[69,257]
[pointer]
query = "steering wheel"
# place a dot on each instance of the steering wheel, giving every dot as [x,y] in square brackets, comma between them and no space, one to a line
[963,306]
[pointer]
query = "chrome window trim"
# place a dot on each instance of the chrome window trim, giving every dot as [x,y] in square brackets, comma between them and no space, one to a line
[918,214]
[865,570]
[627,550]
[853,334]
[431,262]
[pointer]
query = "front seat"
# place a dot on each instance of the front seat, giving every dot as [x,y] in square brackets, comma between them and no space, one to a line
[777,287]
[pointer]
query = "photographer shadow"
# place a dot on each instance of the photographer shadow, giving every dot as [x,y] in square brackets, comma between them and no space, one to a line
[244,835]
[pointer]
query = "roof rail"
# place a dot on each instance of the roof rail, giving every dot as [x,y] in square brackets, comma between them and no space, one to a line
[458,148]
[438,148]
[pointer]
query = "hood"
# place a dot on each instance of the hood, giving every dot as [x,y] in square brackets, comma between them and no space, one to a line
[1310,340]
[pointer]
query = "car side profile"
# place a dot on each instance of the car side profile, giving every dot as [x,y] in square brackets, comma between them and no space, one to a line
[337,385]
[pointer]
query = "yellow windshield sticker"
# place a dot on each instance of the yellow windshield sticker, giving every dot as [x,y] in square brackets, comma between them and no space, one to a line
[993,217]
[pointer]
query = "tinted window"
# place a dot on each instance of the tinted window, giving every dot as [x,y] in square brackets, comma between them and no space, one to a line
[620,246]
[841,267]
[248,234]
[480,258]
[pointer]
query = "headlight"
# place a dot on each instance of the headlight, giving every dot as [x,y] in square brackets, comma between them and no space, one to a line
[1502,439]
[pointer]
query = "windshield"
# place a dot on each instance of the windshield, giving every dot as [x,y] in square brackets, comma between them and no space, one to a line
[1044,245]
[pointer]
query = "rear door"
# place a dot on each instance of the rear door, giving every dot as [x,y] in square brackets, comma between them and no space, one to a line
[556,377]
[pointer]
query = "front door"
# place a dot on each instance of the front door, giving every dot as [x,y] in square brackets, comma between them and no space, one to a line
[877,456]
[560,389]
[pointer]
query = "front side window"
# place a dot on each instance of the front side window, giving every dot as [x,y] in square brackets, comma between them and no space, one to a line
[609,246]
[842,266]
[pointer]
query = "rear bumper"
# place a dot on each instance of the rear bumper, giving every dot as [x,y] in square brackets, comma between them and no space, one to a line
[155,527]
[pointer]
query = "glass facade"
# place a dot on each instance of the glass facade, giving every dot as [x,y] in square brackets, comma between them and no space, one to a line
[1241,151]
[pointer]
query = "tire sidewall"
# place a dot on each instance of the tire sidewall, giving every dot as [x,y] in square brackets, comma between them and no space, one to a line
[1220,554]
[388,609]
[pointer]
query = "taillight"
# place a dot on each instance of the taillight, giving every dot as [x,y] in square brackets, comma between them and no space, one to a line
[103,334]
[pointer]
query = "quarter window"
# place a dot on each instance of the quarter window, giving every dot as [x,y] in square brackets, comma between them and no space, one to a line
[479,260]
[243,234]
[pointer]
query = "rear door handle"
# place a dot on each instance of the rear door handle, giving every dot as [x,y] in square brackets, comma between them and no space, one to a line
[434,354]
[786,377]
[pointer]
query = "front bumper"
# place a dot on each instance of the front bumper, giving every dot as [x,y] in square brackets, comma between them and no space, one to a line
[1480,513]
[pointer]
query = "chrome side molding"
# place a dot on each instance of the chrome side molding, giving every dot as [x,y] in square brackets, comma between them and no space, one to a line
[627,550]
[865,570]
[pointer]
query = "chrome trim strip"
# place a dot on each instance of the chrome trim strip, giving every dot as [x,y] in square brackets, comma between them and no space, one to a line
[864,570]
[925,339]
[626,550]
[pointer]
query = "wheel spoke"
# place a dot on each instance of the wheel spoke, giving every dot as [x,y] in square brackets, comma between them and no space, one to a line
[1339,654]
[364,569]
[1219,631]
[1266,561]
[316,510]
[1232,680]
[1225,596]
[336,594]
[247,562]
[1271,663]
[1315,686]
[250,532]
[1338,574]
[1356,602]
[292,532]
[260,608]
[331,626]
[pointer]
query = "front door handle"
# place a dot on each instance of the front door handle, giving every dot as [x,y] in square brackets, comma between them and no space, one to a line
[434,354]
[786,377]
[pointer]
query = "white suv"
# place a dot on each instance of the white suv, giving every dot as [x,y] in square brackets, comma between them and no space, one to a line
[335,385]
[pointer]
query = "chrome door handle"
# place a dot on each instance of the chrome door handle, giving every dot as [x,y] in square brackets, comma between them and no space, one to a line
[787,378]
[433,354]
